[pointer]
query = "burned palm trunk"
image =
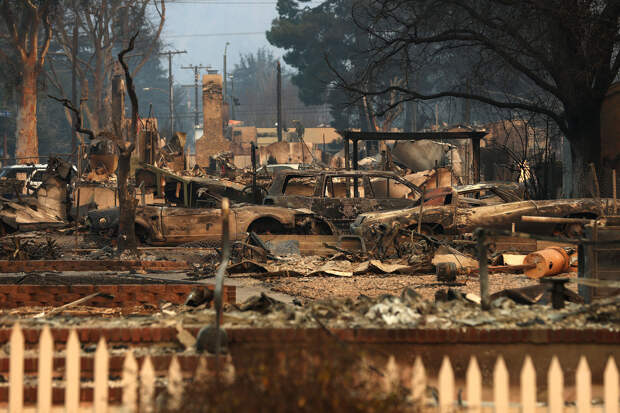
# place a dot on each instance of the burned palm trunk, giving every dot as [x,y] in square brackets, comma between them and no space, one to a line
[127,194]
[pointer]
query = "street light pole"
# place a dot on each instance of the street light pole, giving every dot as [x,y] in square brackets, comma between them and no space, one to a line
[224,92]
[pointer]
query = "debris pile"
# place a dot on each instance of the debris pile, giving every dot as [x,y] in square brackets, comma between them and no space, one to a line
[452,310]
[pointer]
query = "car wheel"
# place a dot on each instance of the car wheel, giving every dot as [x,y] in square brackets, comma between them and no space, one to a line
[267,226]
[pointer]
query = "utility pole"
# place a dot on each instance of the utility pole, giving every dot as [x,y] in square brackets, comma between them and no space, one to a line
[232,96]
[196,86]
[279,104]
[169,53]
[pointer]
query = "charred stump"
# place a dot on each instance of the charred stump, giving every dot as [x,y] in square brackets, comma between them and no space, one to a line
[126,200]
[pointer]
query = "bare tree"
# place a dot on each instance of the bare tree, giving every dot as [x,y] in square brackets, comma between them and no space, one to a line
[29,34]
[127,194]
[108,26]
[556,58]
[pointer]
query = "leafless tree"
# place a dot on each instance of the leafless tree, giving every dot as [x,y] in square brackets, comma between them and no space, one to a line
[555,58]
[108,26]
[127,194]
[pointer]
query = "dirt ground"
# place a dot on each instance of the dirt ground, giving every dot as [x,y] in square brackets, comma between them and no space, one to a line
[372,285]
[287,288]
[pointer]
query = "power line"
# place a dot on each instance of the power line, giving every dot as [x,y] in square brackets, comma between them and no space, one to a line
[233,3]
[215,34]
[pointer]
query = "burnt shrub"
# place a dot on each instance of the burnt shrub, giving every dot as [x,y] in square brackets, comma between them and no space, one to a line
[331,379]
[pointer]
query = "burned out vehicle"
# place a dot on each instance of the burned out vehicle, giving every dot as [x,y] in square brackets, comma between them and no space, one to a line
[189,191]
[455,219]
[164,225]
[340,196]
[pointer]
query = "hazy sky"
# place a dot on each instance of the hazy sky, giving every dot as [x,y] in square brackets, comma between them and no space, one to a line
[200,28]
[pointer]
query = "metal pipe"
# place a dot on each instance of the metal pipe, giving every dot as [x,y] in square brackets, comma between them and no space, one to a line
[554,220]
[279,100]
[219,280]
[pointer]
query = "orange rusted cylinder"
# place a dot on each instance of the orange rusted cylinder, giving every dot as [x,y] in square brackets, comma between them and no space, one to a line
[550,261]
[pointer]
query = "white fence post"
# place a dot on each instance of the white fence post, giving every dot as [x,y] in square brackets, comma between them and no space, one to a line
[130,383]
[46,360]
[147,386]
[528,386]
[555,387]
[175,384]
[16,370]
[100,396]
[583,383]
[446,386]
[72,372]
[611,386]
[474,386]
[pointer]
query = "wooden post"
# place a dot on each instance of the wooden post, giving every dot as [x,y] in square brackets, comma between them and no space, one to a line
[475,149]
[421,210]
[355,154]
[347,155]
[613,180]
[483,271]
[5,148]
[77,206]
[253,154]
[595,179]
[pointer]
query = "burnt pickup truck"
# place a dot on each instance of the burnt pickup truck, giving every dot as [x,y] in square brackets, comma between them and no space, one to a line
[163,225]
[340,196]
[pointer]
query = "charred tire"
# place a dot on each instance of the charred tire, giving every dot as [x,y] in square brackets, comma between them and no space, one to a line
[321,227]
[267,226]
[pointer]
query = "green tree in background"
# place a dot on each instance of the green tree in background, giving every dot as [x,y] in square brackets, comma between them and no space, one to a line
[311,36]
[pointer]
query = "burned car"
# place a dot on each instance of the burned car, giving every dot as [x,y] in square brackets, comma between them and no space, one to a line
[455,219]
[475,195]
[189,191]
[340,196]
[164,225]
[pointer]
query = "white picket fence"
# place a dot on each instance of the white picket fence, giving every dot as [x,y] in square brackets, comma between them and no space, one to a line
[138,387]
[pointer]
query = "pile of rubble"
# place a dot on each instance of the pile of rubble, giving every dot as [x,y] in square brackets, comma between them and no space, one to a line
[452,310]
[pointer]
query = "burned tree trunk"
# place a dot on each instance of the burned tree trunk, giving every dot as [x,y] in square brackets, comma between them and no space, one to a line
[27,144]
[126,200]
[25,21]
[126,193]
